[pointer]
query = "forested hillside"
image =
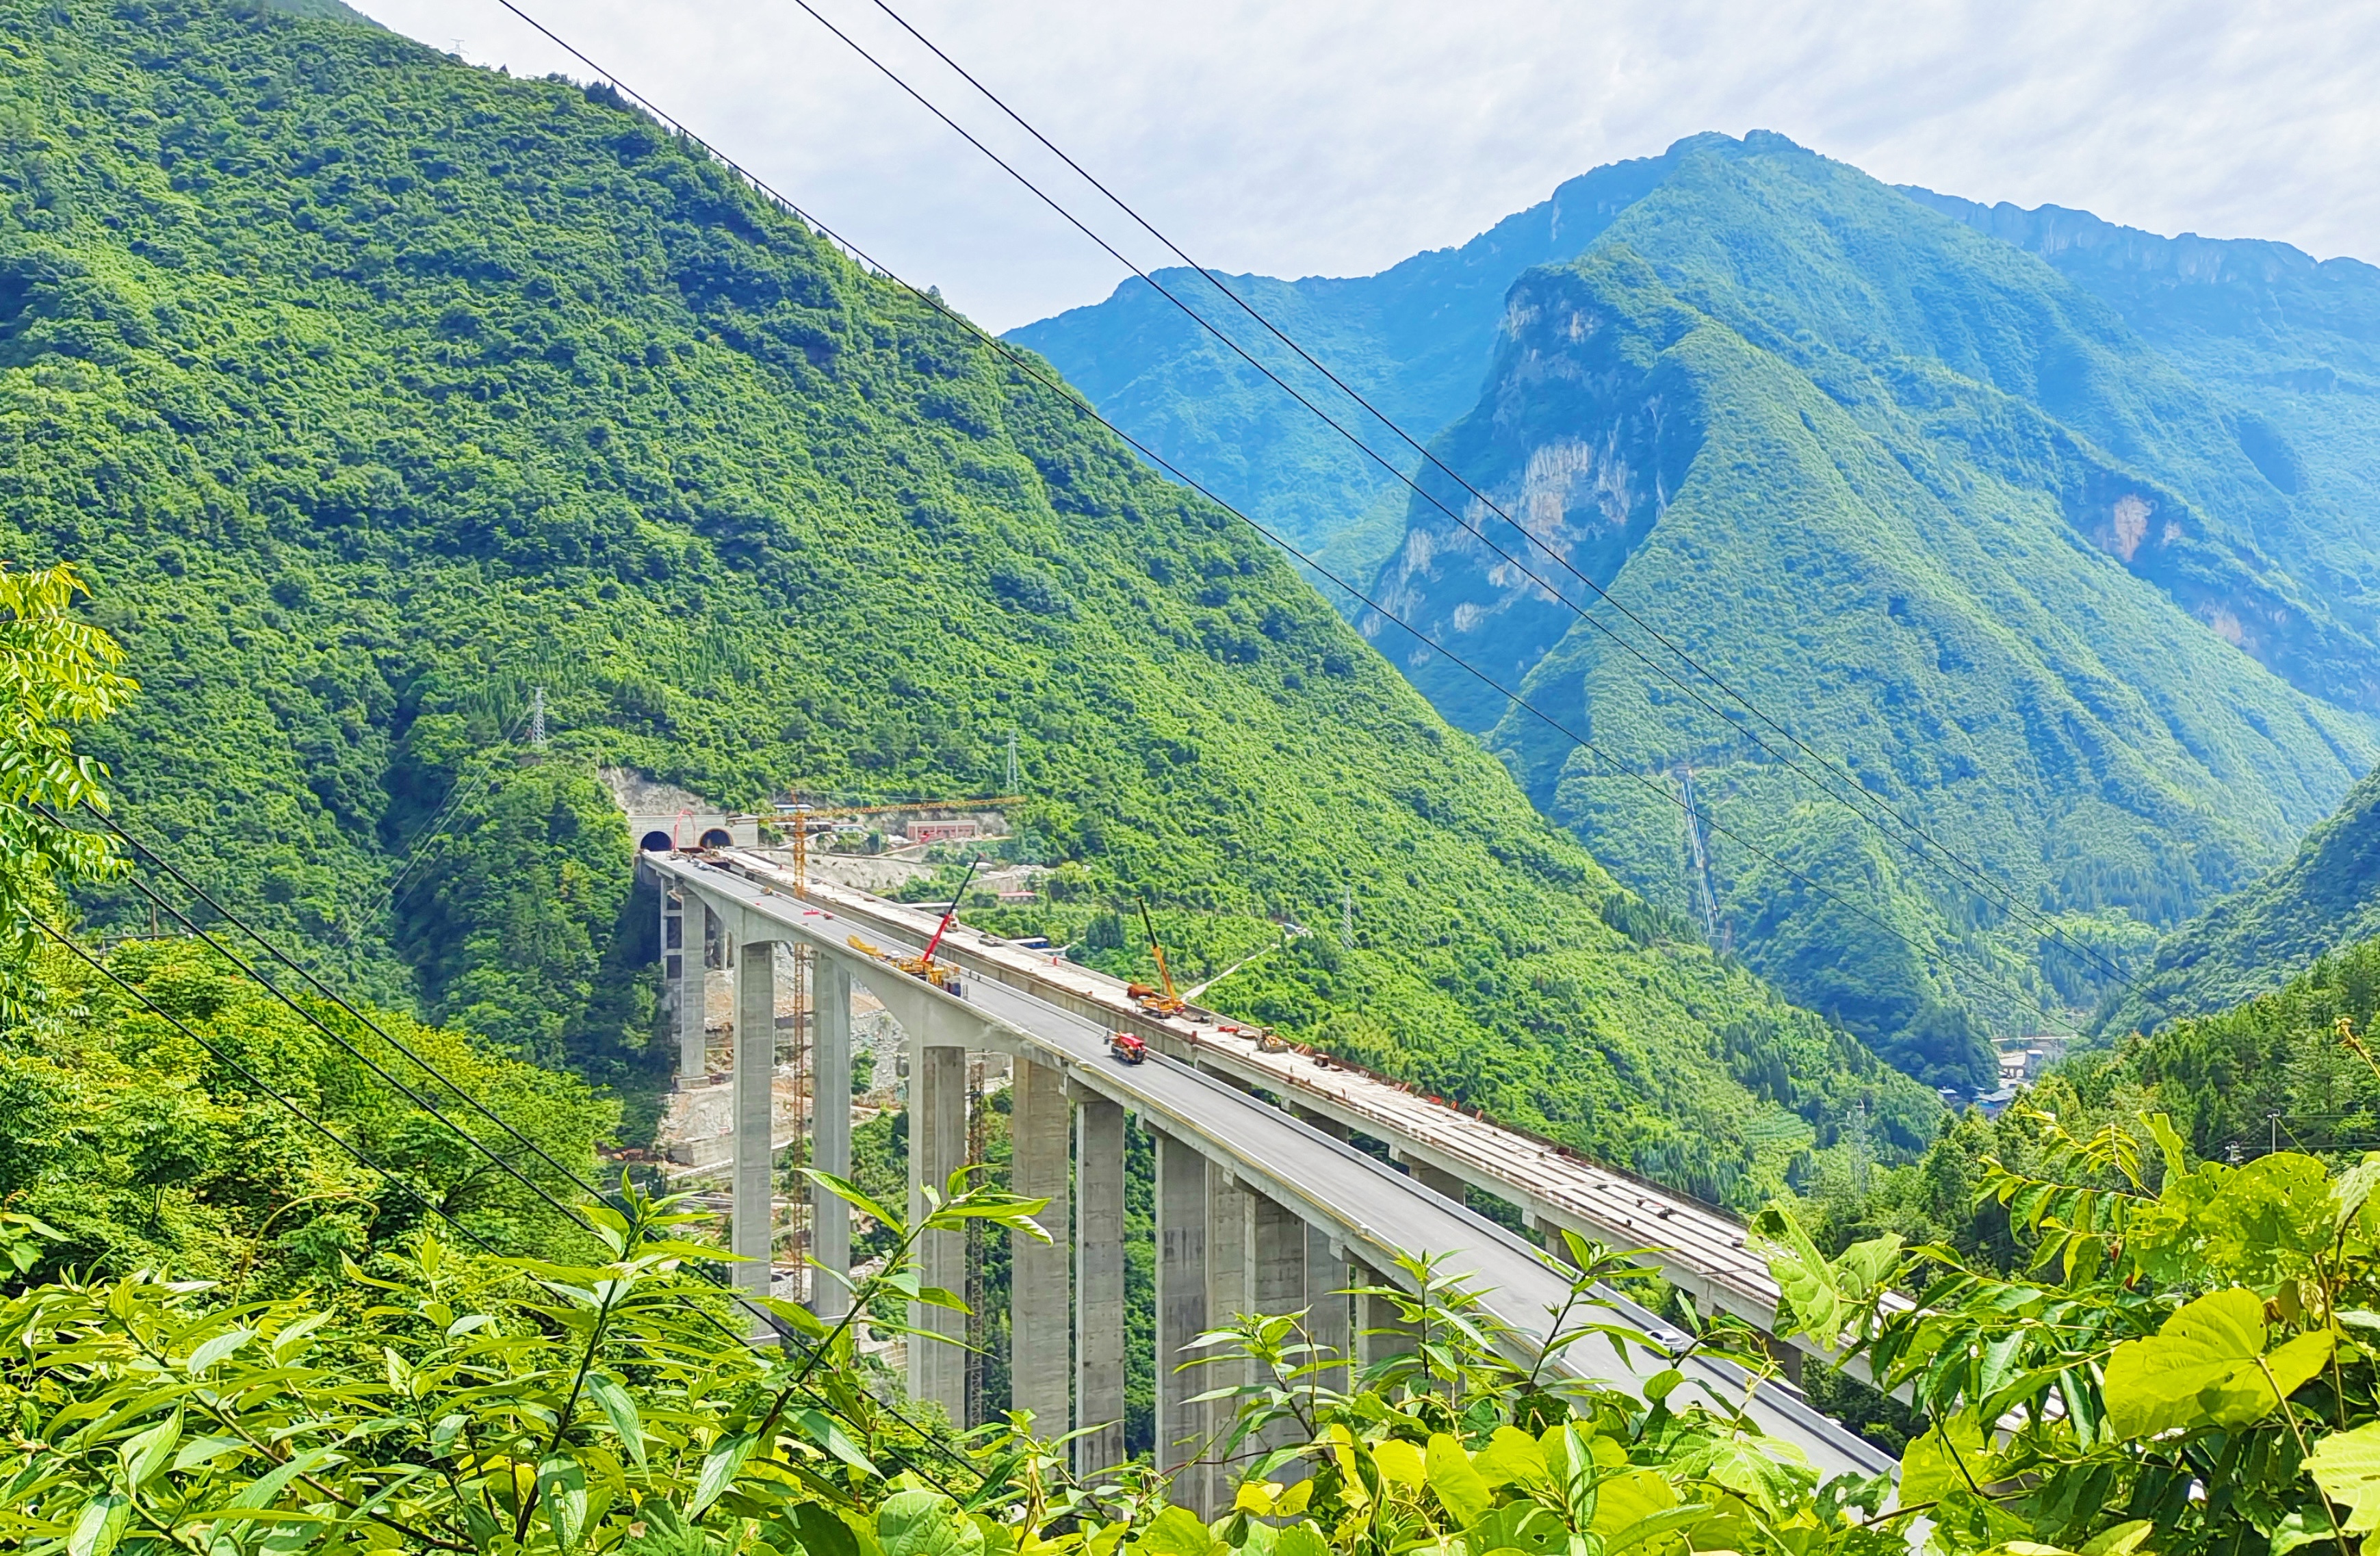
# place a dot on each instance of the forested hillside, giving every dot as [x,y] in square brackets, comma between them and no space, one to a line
[375,390]
[1936,513]
[2026,572]
[1412,340]
[2325,897]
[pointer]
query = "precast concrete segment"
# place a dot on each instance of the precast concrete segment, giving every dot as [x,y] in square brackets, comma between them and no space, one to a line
[1040,1288]
[830,1136]
[1098,1283]
[938,1102]
[1182,1208]
[756,1075]
[1369,1207]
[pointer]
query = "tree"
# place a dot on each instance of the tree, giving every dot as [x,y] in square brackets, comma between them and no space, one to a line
[55,673]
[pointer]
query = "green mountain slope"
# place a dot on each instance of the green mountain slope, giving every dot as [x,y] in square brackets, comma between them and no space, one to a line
[377,390]
[2325,897]
[1935,509]
[1412,340]
[2288,347]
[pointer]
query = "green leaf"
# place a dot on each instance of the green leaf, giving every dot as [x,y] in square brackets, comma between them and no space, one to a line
[2347,1466]
[261,1491]
[1174,1532]
[199,1450]
[1461,1490]
[1301,1539]
[1511,1457]
[216,1349]
[927,1523]
[100,1525]
[144,1455]
[1523,1525]
[2202,1369]
[719,1471]
[1626,1500]
[619,1407]
[828,1434]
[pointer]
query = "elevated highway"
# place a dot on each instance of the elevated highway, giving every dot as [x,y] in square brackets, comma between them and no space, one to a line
[1261,1204]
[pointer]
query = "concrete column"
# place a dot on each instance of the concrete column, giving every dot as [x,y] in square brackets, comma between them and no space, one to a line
[1229,1208]
[756,1074]
[830,1132]
[1443,1184]
[694,990]
[1382,1332]
[1041,1276]
[1276,1255]
[1550,1234]
[938,1149]
[1330,1315]
[1099,1284]
[1181,1317]
[1329,1318]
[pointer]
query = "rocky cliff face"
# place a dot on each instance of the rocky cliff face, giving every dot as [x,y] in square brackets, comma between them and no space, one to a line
[1987,555]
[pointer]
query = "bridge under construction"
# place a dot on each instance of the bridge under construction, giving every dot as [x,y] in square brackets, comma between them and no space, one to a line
[1262,1204]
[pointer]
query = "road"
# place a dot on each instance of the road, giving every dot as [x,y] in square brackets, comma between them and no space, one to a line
[1373,1209]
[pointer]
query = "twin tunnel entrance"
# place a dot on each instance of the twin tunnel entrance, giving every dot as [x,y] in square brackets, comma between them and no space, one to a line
[659,842]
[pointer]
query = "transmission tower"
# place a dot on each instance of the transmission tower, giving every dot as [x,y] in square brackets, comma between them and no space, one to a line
[537,719]
[1012,785]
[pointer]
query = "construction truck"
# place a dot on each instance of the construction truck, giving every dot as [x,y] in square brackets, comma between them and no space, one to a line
[1128,1048]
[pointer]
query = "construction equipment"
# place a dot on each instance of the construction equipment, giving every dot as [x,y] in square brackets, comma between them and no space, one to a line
[1153,1001]
[801,818]
[1128,1048]
[922,966]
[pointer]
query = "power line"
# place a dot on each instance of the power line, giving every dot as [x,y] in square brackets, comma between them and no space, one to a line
[439,1077]
[1978,878]
[393,1181]
[1084,408]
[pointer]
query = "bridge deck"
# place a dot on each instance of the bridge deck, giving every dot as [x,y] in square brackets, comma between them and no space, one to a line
[1061,1015]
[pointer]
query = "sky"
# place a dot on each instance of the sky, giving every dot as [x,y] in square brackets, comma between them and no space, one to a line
[1337,137]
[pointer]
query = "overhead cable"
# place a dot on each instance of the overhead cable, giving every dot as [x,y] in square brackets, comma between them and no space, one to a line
[1976,876]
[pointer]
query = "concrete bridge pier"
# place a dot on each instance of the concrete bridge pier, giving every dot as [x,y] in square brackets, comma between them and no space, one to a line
[1180,1203]
[696,935]
[830,1133]
[753,1236]
[937,1130]
[1040,1286]
[1098,1283]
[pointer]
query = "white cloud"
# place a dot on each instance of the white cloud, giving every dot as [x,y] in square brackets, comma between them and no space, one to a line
[1337,138]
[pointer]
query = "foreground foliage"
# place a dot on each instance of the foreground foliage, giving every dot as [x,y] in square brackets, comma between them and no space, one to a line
[532,1405]
[2185,1362]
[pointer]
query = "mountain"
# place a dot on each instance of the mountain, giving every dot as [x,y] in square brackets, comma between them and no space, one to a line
[2000,561]
[377,391]
[2324,898]
[1412,340]
[2287,346]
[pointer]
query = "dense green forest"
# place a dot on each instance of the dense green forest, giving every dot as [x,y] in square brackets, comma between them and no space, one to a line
[2013,547]
[2294,1069]
[2326,896]
[372,391]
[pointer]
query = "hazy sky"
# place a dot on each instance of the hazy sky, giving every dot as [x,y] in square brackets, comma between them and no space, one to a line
[1336,136]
